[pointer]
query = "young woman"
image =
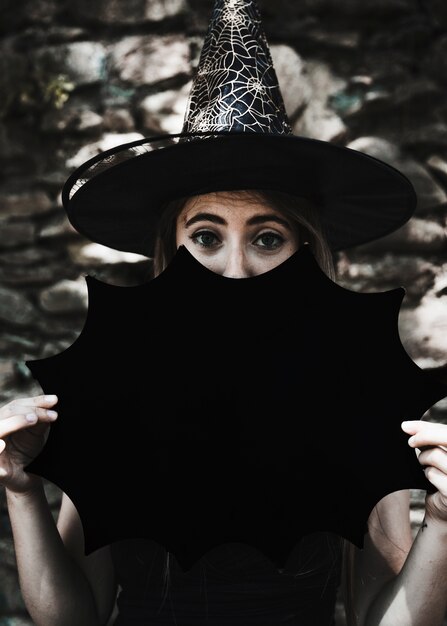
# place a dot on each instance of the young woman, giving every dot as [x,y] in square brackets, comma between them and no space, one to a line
[236,136]
[393,580]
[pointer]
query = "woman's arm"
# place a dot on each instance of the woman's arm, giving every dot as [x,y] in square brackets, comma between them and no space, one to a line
[386,547]
[414,593]
[54,588]
[98,567]
[54,583]
[417,596]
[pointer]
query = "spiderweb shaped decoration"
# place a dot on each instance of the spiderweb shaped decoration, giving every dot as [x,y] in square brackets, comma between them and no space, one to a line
[109,158]
[105,160]
[235,90]
[236,87]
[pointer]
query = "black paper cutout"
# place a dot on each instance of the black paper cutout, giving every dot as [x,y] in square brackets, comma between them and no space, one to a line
[197,409]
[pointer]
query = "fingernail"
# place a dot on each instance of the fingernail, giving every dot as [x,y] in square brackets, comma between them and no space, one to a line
[411,441]
[31,417]
[52,413]
[50,398]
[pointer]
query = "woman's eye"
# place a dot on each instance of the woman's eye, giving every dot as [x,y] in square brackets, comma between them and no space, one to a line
[205,238]
[269,241]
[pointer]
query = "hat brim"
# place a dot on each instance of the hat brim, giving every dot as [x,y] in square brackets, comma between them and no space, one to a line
[360,198]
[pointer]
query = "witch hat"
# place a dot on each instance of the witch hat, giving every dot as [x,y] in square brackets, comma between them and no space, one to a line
[235,136]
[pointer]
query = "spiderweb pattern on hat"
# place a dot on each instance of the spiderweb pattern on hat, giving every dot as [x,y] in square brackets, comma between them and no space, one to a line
[235,90]
[236,87]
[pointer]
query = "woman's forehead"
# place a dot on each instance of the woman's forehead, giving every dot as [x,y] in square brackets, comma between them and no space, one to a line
[226,201]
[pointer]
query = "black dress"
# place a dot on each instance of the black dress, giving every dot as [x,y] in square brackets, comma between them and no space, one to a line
[233,584]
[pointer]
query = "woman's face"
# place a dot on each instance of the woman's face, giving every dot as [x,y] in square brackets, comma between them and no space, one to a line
[234,236]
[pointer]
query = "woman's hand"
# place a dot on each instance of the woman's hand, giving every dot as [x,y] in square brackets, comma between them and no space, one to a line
[431,439]
[21,439]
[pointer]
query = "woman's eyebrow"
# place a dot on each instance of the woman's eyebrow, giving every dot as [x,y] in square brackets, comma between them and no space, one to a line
[256,219]
[269,217]
[210,217]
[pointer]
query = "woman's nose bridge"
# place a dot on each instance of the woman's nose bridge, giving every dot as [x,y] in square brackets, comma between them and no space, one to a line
[237,264]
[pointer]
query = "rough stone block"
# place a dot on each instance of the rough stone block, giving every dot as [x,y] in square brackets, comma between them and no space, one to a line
[71,119]
[147,60]
[24,203]
[165,110]
[430,194]
[14,234]
[126,11]
[417,235]
[66,296]
[94,254]
[15,308]
[80,63]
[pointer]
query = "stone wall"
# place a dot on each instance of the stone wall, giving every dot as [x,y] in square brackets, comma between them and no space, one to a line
[79,77]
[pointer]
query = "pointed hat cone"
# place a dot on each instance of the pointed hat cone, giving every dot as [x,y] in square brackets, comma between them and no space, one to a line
[235,135]
[236,88]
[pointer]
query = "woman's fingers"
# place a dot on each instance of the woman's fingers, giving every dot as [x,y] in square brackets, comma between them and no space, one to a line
[19,414]
[16,406]
[435,457]
[425,433]
[438,479]
[17,422]
[431,439]
[27,405]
